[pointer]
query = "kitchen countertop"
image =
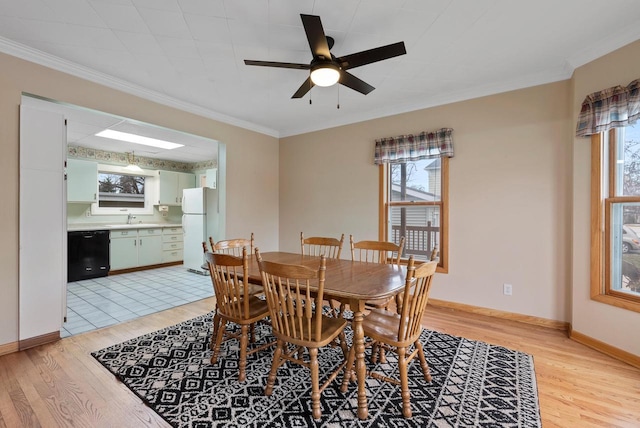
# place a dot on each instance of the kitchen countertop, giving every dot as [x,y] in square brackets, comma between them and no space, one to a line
[117,226]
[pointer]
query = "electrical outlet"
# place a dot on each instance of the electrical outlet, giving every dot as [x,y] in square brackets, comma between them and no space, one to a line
[507,289]
[87,213]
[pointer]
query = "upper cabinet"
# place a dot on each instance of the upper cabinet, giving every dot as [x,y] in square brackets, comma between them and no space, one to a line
[171,184]
[211,178]
[82,181]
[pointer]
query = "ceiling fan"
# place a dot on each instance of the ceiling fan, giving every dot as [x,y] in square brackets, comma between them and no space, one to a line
[326,69]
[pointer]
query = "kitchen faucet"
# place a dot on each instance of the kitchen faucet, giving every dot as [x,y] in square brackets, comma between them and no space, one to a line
[130,217]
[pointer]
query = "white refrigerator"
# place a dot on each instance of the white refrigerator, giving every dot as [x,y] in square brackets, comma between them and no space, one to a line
[200,220]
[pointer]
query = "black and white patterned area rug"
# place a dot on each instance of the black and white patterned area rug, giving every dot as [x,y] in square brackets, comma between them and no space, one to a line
[474,384]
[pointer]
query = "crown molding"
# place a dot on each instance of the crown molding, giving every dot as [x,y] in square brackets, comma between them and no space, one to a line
[36,56]
[562,73]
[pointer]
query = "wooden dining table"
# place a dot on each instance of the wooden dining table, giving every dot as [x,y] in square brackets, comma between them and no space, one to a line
[352,283]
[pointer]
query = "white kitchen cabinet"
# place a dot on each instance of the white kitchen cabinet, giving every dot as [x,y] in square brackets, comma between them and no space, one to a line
[211,178]
[123,249]
[172,245]
[82,181]
[171,184]
[132,248]
[149,247]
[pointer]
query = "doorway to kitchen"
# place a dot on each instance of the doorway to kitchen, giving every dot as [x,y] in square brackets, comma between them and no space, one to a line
[93,303]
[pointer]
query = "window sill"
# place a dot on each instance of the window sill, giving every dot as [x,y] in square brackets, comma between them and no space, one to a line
[617,301]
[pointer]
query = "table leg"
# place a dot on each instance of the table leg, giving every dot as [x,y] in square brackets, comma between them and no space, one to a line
[361,370]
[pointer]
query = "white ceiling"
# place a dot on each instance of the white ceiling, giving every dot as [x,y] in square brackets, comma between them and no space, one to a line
[83,124]
[189,53]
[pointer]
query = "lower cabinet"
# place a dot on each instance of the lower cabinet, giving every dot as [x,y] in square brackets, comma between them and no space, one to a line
[171,244]
[132,248]
[123,250]
[149,247]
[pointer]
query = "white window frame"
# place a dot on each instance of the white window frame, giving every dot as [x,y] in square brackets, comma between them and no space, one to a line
[150,185]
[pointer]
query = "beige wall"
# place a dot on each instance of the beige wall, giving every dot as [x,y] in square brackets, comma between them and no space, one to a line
[609,324]
[252,162]
[509,194]
[519,188]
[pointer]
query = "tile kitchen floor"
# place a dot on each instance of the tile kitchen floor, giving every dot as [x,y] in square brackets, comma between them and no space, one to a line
[99,302]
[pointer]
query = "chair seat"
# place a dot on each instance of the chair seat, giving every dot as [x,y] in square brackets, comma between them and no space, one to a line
[382,325]
[258,309]
[331,328]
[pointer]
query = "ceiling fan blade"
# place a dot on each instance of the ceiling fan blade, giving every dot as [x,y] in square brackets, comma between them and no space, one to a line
[302,90]
[278,64]
[315,36]
[351,81]
[372,55]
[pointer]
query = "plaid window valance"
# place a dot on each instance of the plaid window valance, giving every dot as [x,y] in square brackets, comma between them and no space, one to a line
[611,108]
[405,148]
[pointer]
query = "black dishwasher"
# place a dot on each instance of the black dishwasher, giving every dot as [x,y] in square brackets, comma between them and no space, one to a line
[87,254]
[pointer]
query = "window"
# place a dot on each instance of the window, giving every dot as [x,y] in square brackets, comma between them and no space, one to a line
[414,205]
[122,191]
[616,217]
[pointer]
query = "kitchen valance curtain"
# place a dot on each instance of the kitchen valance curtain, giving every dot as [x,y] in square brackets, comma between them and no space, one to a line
[405,148]
[610,108]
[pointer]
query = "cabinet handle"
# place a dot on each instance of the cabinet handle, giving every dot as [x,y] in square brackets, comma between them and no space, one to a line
[94,196]
[141,242]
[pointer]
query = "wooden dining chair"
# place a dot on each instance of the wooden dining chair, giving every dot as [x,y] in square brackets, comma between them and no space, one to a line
[435,253]
[235,303]
[233,246]
[294,295]
[377,252]
[320,245]
[331,248]
[205,264]
[400,332]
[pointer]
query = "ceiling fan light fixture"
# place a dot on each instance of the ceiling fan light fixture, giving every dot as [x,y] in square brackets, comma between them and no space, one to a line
[325,74]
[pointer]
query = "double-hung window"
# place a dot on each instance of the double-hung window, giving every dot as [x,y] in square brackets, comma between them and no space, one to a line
[414,191]
[616,215]
[610,117]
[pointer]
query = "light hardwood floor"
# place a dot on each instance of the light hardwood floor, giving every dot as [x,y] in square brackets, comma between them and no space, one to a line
[61,385]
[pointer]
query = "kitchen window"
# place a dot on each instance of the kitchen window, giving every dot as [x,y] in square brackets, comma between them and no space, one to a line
[616,217]
[120,190]
[123,192]
[414,205]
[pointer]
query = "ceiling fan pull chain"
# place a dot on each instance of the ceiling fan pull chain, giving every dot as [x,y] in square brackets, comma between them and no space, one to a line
[338,106]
